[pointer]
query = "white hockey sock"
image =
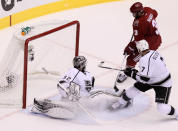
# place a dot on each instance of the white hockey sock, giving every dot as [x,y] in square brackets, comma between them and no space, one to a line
[132,92]
[165,109]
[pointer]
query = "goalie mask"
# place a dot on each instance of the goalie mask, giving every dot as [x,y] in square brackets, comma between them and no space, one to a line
[79,62]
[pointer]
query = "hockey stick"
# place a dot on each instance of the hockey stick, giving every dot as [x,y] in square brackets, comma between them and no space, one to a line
[106,67]
[132,37]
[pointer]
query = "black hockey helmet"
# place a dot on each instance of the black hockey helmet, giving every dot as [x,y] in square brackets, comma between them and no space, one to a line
[79,62]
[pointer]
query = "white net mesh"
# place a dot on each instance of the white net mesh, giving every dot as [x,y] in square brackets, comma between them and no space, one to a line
[52,55]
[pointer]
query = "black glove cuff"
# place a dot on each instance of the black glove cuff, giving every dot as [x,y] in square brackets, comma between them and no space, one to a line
[134,73]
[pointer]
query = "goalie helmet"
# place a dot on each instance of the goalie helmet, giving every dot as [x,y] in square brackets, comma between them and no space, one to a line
[142,45]
[136,7]
[79,62]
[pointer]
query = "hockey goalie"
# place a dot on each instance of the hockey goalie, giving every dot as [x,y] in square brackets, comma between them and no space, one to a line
[75,85]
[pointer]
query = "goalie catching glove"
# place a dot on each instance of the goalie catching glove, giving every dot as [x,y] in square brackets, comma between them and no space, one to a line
[72,91]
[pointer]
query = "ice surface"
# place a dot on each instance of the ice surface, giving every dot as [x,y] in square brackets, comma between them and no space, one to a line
[105,30]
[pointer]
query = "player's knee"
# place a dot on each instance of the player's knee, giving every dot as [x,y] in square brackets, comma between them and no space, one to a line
[132,92]
[164,108]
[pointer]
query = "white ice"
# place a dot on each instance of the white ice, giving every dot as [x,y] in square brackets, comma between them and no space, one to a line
[105,30]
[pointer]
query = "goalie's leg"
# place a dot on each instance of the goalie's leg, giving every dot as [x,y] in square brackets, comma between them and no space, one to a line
[50,109]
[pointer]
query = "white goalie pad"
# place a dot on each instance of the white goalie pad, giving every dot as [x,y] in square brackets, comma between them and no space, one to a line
[60,112]
[56,109]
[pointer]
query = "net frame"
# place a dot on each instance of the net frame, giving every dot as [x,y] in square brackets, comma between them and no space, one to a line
[27,41]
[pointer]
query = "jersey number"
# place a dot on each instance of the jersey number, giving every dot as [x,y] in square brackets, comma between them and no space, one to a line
[154,25]
[143,68]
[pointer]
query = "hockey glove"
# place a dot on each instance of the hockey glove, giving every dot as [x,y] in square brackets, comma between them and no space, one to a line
[130,48]
[131,72]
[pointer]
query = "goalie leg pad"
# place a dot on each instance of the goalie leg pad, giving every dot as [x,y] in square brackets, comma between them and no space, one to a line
[58,111]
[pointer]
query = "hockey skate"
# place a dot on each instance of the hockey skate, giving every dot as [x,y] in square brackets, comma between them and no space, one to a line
[118,92]
[120,105]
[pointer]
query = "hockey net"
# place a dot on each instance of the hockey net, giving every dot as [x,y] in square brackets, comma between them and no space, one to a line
[53,45]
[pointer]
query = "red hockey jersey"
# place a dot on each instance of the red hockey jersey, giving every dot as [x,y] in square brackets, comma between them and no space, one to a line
[144,27]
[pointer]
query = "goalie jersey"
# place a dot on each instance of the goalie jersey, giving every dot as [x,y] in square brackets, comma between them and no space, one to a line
[152,66]
[83,79]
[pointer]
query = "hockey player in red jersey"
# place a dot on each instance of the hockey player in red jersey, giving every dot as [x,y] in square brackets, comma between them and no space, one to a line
[144,27]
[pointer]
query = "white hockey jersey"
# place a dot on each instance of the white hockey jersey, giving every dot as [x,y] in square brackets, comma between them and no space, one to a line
[152,66]
[83,79]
